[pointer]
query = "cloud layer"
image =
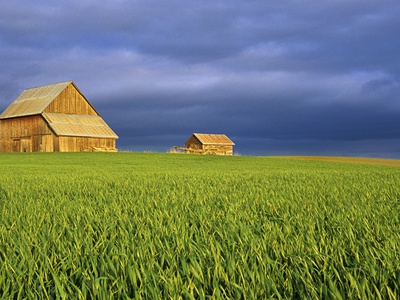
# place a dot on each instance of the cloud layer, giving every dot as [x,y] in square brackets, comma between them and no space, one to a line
[277,77]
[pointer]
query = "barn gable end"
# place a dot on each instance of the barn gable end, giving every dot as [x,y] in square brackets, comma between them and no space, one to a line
[52,118]
[70,101]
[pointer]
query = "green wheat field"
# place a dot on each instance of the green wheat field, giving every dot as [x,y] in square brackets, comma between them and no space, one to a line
[173,226]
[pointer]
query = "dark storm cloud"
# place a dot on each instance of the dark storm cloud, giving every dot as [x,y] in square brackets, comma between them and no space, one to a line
[294,77]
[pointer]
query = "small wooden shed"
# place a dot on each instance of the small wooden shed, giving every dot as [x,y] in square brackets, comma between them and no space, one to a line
[54,118]
[203,143]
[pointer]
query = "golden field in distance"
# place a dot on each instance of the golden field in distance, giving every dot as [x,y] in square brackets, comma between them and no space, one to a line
[354,160]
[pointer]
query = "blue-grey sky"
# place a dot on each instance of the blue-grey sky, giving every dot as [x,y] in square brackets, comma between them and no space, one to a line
[278,77]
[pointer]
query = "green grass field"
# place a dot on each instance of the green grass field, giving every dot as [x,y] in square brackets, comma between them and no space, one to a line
[170,226]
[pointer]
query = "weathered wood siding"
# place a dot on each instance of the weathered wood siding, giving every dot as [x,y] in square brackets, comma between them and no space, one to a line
[32,134]
[26,134]
[29,127]
[210,149]
[195,146]
[217,150]
[70,101]
[80,144]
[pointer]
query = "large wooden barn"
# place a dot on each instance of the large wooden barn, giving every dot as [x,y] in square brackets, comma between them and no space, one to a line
[202,143]
[54,118]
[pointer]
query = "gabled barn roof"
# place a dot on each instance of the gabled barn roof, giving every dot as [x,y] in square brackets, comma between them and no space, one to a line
[213,139]
[33,101]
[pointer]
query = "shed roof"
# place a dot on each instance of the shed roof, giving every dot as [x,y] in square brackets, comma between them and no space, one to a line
[79,125]
[33,101]
[213,139]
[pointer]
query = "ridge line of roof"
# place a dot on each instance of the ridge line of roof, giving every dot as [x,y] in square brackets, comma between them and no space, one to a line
[39,86]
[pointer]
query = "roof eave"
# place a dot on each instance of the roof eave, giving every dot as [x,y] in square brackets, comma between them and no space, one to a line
[90,136]
[85,98]
[220,144]
[17,116]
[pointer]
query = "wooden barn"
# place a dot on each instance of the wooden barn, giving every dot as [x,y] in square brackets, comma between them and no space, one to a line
[215,144]
[54,118]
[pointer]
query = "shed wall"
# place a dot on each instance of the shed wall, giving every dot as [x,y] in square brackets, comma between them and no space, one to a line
[195,146]
[210,149]
[217,150]
[194,143]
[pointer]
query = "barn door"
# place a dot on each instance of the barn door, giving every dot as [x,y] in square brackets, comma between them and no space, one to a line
[16,145]
[22,145]
[26,145]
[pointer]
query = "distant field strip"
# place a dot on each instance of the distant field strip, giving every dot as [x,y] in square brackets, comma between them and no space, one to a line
[357,160]
[171,226]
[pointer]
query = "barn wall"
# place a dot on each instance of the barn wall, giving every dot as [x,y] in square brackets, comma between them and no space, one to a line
[70,101]
[80,144]
[26,134]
